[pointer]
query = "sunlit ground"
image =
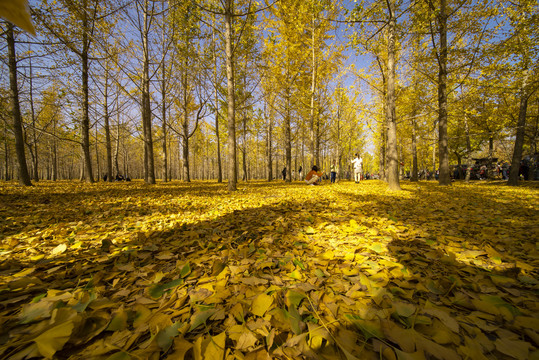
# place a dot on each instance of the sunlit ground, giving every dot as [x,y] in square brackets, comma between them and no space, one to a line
[274,270]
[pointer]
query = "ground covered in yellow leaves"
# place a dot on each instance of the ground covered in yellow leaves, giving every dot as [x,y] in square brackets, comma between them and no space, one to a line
[286,271]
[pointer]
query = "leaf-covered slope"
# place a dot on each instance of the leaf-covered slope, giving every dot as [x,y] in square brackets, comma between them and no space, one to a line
[119,271]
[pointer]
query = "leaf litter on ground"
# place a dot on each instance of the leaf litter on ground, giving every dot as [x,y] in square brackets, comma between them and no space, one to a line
[190,271]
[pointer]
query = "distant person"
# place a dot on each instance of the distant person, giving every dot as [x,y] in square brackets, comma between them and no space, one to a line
[358,167]
[284,173]
[105,177]
[314,177]
[505,169]
[483,172]
[524,168]
[299,172]
[334,169]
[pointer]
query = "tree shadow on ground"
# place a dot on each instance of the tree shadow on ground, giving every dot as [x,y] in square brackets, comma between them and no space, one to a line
[33,210]
[332,292]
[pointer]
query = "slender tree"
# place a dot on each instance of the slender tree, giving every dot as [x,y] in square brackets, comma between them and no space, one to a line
[24,177]
[523,40]
[391,120]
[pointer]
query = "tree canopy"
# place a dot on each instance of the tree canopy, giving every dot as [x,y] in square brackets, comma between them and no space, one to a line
[173,89]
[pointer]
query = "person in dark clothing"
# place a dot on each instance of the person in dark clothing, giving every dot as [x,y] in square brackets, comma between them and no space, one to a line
[284,173]
[524,169]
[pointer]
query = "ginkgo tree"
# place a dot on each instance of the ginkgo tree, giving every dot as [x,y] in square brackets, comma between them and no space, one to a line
[285,61]
[191,67]
[521,56]
[24,176]
[384,48]
[347,131]
[82,17]
[278,63]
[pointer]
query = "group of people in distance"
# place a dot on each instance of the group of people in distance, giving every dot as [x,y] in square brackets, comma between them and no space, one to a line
[314,177]
[118,177]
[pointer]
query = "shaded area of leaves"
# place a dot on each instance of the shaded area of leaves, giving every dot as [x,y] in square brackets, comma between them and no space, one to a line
[121,271]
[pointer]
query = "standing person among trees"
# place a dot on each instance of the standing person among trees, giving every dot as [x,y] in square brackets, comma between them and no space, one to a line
[358,167]
[299,172]
[334,169]
[284,173]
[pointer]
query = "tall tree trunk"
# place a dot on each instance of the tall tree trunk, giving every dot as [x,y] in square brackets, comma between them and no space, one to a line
[231,98]
[185,149]
[468,150]
[85,126]
[149,173]
[244,148]
[108,143]
[393,163]
[338,144]
[35,153]
[185,121]
[117,144]
[164,123]
[302,160]
[382,148]
[54,153]
[97,154]
[519,140]
[288,136]
[24,177]
[219,163]
[445,178]
[434,155]
[414,176]
[490,175]
[317,140]
[6,154]
[314,157]
[269,143]
[82,170]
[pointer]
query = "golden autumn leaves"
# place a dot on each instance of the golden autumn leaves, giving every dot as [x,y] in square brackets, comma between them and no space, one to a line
[181,271]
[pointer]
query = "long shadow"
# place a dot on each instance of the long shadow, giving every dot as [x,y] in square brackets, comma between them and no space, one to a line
[42,208]
[470,260]
[292,248]
[460,212]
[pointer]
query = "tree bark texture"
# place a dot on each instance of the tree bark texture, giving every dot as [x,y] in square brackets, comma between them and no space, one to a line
[24,177]
[149,168]
[231,113]
[392,153]
[85,126]
[519,140]
[443,152]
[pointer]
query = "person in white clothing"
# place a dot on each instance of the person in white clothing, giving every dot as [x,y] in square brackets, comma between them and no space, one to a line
[358,167]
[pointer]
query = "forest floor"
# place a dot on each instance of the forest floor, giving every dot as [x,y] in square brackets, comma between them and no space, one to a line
[274,270]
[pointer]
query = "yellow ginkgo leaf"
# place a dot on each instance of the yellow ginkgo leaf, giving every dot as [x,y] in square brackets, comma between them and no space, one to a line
[52,340]
[261,304]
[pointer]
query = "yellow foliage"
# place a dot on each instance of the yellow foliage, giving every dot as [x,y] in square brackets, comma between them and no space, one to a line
[269,271]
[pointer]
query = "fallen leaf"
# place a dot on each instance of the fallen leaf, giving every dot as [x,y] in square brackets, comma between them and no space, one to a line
[261,304]
[54,339]
[60,249]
